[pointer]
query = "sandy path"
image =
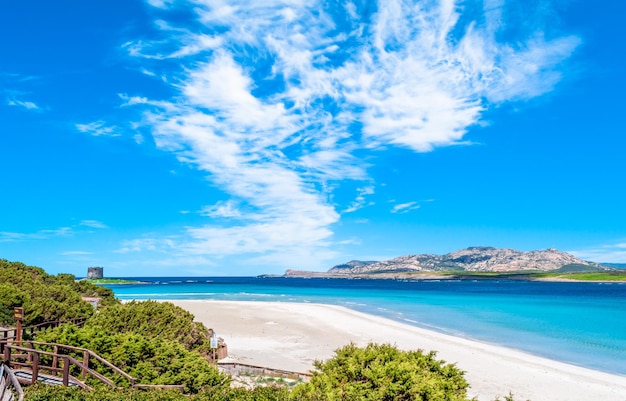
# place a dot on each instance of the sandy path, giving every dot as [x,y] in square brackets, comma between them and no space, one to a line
[291,336]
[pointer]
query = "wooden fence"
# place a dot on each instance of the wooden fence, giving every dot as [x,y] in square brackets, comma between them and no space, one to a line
[58,362]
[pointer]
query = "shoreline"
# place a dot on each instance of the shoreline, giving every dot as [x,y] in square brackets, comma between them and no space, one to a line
[290,336]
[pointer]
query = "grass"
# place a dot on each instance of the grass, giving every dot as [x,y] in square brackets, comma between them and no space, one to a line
[586,276]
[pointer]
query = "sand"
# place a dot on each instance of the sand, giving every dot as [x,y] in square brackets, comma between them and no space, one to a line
[291,336]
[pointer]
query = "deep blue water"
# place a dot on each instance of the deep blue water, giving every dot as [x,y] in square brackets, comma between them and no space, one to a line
[579,323]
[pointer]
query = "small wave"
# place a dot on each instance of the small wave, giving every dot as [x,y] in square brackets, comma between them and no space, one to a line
[255,294]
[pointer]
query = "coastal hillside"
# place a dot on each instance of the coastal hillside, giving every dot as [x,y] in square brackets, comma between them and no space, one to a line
[473,259]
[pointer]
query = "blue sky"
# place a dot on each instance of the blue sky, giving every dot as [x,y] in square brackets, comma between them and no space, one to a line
[211,137]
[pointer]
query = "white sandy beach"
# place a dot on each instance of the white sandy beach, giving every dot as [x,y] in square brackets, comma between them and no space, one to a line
[291,336]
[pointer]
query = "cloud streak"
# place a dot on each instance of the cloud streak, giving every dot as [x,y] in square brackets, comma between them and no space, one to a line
[24,104]
[69,231]
[276,100]
[98,128]
[608,253]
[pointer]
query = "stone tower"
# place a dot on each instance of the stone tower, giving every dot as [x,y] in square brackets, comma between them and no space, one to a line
[95,272]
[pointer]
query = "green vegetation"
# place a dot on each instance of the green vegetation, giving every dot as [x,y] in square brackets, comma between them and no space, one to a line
[45,297]
[382,372]
[567,273]
[585,276]
[50,393]
[152,319]
[155,342]
[376,372]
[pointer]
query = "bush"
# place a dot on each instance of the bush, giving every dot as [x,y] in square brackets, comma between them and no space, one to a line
[151,360]
[45,297]
[151,319]
[51,393]
[382,372]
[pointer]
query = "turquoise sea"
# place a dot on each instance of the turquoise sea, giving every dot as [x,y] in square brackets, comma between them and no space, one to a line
[579,323]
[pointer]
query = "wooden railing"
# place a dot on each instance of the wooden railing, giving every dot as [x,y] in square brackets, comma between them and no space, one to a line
[9,385]
[30,358]
[11,334]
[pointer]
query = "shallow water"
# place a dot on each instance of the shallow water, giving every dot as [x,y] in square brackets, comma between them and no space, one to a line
[579,323]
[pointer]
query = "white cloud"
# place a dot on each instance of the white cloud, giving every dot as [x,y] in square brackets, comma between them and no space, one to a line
[405,207]
[69,231]
[93,224]
[280,97]
[360,201]
[98,128]
[608,253]
[138,138]
[74,253]
[23,103]
[160,245]
[160,3]
[221,209]
[6,236]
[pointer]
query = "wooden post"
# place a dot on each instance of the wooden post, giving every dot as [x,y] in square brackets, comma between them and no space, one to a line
[18,315]
[55,357]
[66,371]
[86,364]
[33,380]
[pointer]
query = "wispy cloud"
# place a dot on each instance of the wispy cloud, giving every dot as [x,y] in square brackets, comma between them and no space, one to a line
[280,98]
[38,235]
[160,245]
[93,224]
[360,201]
[98,128]
[608,253]
[24,104]
[405,207]
[6,236]
[76,253]
[221,209]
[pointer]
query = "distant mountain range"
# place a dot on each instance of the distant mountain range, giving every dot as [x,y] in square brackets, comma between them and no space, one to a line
[473,259]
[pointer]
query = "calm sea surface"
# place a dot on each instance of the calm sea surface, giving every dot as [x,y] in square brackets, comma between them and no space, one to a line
[579,323]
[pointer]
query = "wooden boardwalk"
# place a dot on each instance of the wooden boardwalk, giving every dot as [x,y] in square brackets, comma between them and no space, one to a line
[26,377]
[61,362]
